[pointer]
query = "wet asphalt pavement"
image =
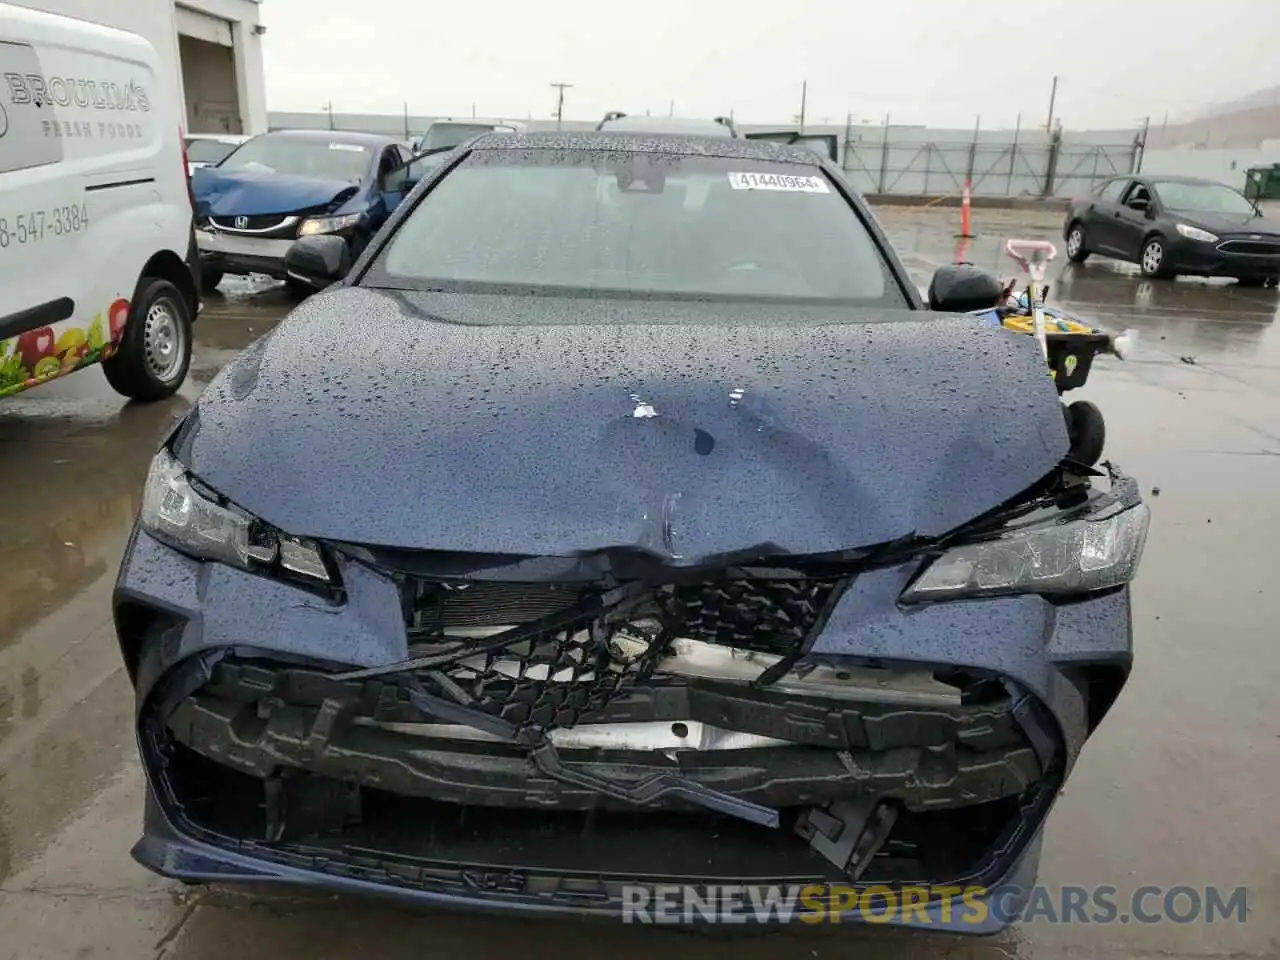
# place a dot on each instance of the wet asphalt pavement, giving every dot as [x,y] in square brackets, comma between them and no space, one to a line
[1177,788]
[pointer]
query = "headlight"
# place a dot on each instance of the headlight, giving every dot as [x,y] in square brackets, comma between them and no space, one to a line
[1070,558]
[317,225]
[1195,233]
[175,513]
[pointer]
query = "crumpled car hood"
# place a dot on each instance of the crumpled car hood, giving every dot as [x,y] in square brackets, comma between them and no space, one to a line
[227,193]
[542,426]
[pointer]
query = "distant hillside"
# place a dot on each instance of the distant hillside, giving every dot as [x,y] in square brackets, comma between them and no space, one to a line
[1245,122]
[1262,98]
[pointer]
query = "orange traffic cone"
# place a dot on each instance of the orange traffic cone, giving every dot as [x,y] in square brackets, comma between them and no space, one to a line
[966,213]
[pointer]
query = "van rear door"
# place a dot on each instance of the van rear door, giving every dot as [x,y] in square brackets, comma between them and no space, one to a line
[84,203]
[36,228]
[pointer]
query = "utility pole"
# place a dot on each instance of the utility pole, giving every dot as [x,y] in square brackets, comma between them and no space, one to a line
[406,119]
[560,89]
[1053,96]
[804,96]
[328,108]
[671,109]
[1140,148]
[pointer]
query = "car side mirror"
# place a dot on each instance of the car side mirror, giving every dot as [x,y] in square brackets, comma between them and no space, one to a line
[318,260]
[962,288]
[1149,212]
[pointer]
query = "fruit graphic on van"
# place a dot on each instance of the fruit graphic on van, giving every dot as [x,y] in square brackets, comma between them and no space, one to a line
[96,339]
[46,367]
[117,317]
[35,345]
[70,341]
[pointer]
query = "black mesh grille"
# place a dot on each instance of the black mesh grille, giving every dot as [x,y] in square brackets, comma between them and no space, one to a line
[1259,248]
[770,616]
[551,678]
[551,681]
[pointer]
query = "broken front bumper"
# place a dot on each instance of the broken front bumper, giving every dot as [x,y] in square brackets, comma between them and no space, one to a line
[268,757]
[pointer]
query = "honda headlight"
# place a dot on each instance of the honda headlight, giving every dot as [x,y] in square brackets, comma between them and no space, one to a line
[1080,556]
[176,513]
[1195,233]
[317,225]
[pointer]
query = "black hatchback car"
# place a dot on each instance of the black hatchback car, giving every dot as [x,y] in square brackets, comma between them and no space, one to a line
[1176,225]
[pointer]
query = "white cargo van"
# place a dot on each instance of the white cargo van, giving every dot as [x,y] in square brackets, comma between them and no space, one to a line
[96,239]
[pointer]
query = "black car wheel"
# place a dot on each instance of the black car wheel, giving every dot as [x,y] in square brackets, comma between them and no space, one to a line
[1077,252]
[1153,259]
[210,278]
[1087,432]
[155,351]
[1256,281]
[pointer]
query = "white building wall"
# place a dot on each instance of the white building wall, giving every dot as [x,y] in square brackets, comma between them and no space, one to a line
[157,21]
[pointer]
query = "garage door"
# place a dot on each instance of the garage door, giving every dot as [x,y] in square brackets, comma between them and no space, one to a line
[209,82]
[201,26]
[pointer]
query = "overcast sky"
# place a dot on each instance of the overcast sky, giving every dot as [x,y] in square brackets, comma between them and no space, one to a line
[936,62]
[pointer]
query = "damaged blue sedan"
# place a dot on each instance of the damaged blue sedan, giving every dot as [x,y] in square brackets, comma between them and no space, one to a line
[623,517]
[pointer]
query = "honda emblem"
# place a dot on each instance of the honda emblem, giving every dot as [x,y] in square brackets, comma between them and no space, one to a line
[241,222]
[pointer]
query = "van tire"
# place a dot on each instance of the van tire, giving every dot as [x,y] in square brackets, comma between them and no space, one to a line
[155,352]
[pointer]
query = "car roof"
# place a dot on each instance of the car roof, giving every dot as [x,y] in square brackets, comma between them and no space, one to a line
[476,122]
[688,146]
[337,136]
[677,126]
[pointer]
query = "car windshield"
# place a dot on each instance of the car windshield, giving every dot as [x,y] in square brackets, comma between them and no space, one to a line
[654,225]
[303,157]
[452,134]
[208,151]
[1202,197]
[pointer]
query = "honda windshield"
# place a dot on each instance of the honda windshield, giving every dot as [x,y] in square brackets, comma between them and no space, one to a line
[208,151]
[303,157]
[452,134]
[638,223]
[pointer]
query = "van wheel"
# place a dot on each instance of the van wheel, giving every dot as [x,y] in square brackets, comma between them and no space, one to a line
[155,353]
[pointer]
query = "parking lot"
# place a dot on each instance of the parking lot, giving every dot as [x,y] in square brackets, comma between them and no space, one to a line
[1176,789]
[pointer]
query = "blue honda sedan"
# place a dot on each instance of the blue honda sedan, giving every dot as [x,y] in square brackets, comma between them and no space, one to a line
[287,184]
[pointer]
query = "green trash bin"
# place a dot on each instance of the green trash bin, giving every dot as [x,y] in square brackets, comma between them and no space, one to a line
[1262,183]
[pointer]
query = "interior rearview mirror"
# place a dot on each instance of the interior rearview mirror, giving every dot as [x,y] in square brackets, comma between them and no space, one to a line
[962,287]
[318,261]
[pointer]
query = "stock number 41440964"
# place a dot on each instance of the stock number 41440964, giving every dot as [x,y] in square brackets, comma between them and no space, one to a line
[42,225]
